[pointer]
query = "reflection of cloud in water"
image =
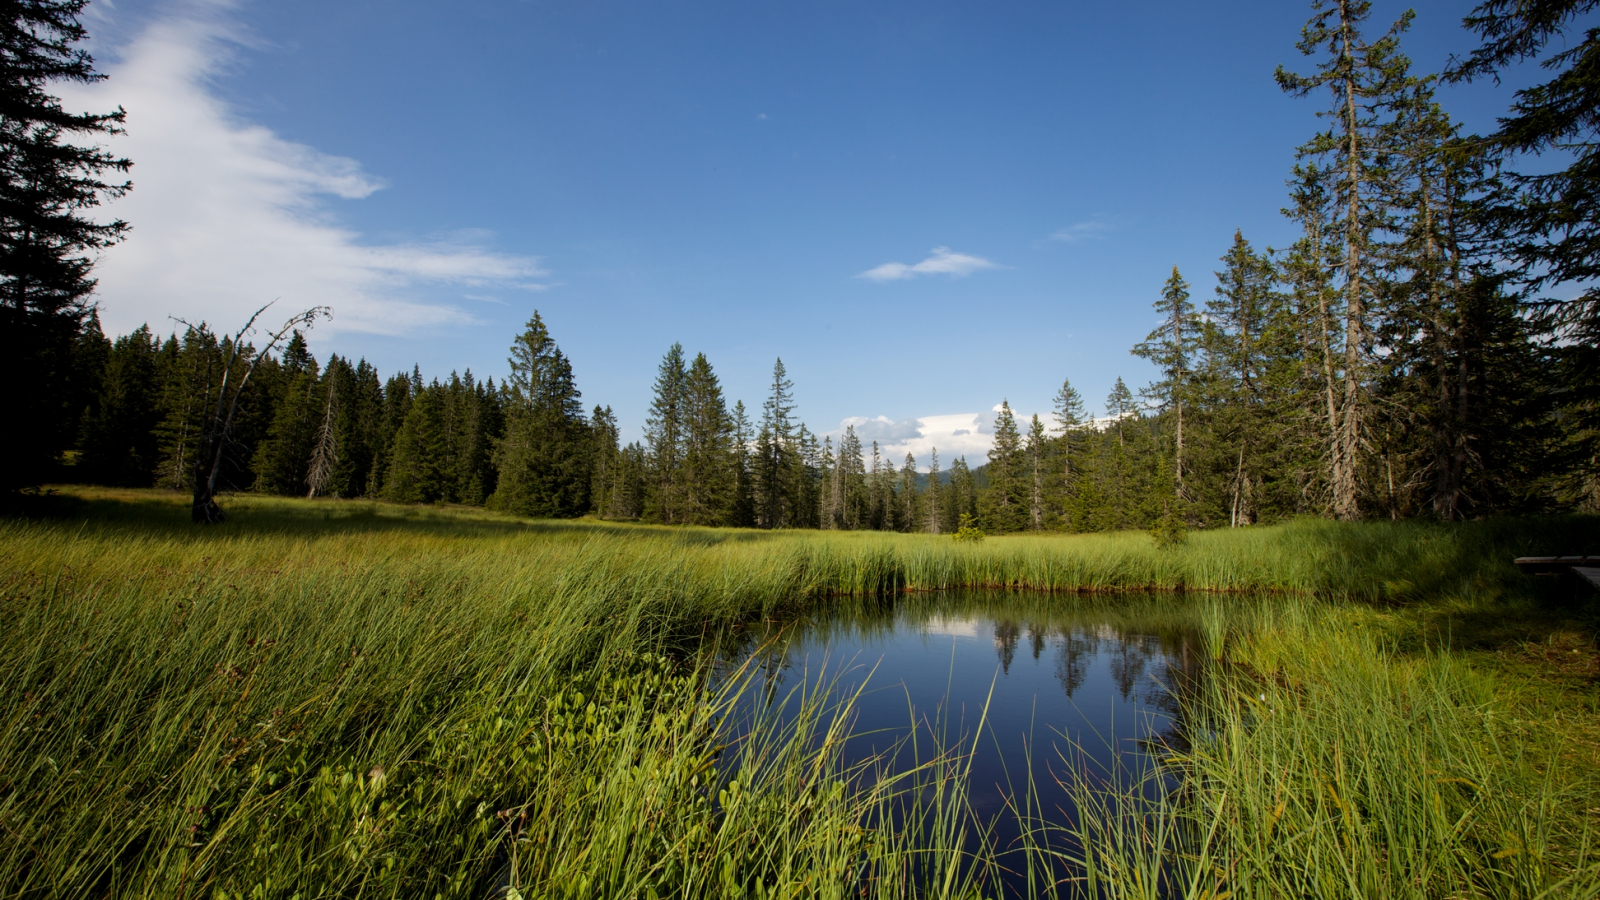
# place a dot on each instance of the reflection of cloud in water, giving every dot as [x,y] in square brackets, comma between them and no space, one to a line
[964,627]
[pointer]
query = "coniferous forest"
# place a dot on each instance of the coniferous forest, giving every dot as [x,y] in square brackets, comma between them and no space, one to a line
[1404,357]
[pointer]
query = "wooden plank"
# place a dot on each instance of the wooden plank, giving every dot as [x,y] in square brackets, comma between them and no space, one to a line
[1550,565]
[1590,573]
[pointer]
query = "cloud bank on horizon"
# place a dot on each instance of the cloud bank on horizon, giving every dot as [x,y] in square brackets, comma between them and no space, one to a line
[969,435]
[227,215]
[943,261]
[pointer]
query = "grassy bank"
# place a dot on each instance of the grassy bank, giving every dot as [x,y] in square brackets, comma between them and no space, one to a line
[339,699]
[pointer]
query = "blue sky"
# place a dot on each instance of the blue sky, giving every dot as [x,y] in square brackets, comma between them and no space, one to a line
[923,208]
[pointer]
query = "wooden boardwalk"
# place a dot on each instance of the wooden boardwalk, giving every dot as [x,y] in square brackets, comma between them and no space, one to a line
[1587,567]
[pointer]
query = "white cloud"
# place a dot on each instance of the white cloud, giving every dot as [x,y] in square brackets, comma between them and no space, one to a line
[942,262]
[953,435]
[882,429]
[958,434]
[227,215]
[1091,230]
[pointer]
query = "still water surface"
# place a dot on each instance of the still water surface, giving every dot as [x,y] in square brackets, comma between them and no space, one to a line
[1058,685]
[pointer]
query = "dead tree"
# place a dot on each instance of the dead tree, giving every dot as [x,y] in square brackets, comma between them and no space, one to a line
[217,433]
[326,454]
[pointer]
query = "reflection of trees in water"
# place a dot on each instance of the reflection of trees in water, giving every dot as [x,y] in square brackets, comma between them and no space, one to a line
[1074,649]
[1155,658]
[1006,633]
[1128,663]
[1163,670]
[1173,692]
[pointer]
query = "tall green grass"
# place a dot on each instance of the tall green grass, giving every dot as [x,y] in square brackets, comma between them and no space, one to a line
[438,707]
[344,699]
[1323,764]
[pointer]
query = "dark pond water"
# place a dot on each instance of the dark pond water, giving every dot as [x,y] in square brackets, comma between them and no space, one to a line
[1030,685]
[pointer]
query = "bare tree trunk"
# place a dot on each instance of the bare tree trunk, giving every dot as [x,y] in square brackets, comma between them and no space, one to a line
[1238,489]
[1336,461]
[1038,489]
[1465,324]
[326,454]
[1345,504]
[218,432]
[1443,424]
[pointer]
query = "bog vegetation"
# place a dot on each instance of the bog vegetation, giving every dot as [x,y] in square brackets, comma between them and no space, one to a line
[325,698]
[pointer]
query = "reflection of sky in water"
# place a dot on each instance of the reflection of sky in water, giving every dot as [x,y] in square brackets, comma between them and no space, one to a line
[1075,693]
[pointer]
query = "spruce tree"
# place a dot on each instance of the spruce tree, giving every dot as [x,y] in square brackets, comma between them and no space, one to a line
[280,463]
[708,476]
[742,512]
[1171,346]
[664,435]
[1547,219]
[1036,450]
[777,455]
[1117,469]
[1363,79]
[961,499]
[1005,506]
[881,496]
[52,163]
[855,503]
[933,517]
[1234,375]
[605,465]
[628,494]
[1072,423]
[119,443]
[398,394]
[420,457]
[832,500]
[907,502]
[543,458]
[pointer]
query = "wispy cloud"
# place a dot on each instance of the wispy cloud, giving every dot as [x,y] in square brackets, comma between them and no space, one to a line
[944,261]
[1092,230]
[228,215]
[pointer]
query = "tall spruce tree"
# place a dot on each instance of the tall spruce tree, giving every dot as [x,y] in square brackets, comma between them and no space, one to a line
[742,513]
[1234,379]
[420,460]
[605,465]
[51,168]
[1547,219]
[1037,450]
[907,505]
[1072,423]
[708,474]
[1118,487]
[961,498]
[543,458]
[880,501]
[1171,346]
[665,436]
[1005,506]
[1363,78]
[778,455]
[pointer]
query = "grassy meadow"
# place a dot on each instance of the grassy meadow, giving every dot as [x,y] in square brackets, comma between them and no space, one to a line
[351,699]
